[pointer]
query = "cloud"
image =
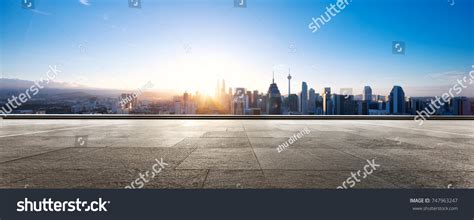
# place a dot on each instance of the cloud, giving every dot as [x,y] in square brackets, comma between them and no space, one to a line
[84,2]
[40,12]
[447,76]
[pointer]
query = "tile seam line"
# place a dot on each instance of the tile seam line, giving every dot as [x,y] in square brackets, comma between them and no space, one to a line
[4,162]
[46,131]
[417,129]
[253,151]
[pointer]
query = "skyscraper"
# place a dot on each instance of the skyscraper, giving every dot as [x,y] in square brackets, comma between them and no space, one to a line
[396,101]
[262,102]
[188,105]
[461,106]
[344,105]
[289,82]
[218,90]
[274,99]
[222,89]
[362,107]
[248,100]
[312,102]
[304,99]
[289,90]
[255,99]
[293,104]
[327,103]
[319,105]
[185,97]
[177,105]
[224,98]
[238,102]
[367,94]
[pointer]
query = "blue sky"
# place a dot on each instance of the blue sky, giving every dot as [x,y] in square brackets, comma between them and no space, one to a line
[189,45]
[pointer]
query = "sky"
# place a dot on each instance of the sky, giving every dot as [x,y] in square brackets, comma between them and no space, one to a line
[189,45]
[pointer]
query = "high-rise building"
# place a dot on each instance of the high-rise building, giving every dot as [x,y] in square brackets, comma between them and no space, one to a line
[222,94]
[254,99]
[362,107]
[248,100]
[319,105]
[379,108]
[177,105]
[289,90]
[274,99]
[461,106]
[418,104]
[238,102]
[327,103]
[218,90]
[367,94]
[312,102]
[471,100]
[189,107]
[262,102]
[186,102]
[293,104]
[304,99]
[344,105]
[396,101]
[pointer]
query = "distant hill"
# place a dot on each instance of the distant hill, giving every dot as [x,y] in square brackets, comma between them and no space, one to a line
[6,83]
[73,90]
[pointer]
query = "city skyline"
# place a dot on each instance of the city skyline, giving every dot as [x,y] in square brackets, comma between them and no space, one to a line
[239,101]
[113,46]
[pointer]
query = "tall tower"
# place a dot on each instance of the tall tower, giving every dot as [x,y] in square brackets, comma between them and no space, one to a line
[274,99]
[289,82]
[289,90]
[238,101]
[396,101]
[218,90]
[312,101]
[223,89]
[327,103]
[304,99]
[367,93]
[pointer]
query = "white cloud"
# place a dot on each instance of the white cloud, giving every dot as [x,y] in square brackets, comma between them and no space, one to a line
[40,12]
[84,2]
[447,76]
